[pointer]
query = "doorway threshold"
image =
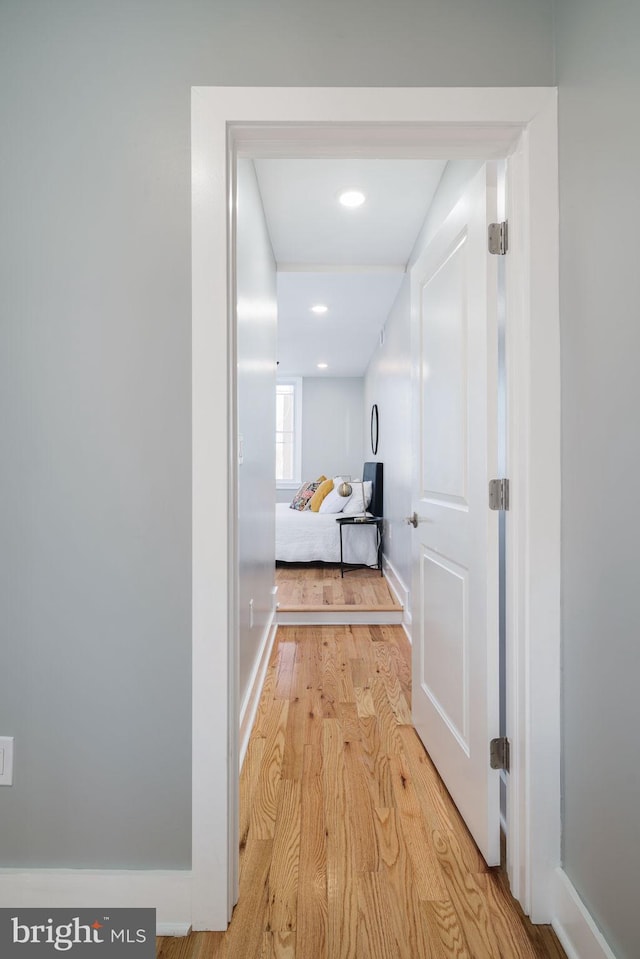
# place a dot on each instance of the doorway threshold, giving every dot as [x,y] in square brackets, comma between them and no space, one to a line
[317,595]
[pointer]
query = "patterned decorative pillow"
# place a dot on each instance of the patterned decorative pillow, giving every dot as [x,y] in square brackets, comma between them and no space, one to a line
[303,497]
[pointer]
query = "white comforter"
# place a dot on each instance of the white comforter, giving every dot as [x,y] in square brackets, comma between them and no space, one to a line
[303,536]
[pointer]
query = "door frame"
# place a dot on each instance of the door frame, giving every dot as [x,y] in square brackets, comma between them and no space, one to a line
[450,123]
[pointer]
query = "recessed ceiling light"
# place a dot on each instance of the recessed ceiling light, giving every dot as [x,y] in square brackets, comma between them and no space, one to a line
[352,198]
[322,366]
[319,308]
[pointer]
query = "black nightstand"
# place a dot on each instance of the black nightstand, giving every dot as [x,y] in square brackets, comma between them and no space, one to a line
[376,521]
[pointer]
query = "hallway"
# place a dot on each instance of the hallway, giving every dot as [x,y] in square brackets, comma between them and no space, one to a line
[350,844]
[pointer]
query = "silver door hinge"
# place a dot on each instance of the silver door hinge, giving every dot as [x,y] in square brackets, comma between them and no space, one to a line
[499,753]
[498,238]
[499,494]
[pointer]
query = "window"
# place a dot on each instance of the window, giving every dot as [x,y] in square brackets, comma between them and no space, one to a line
[289,432]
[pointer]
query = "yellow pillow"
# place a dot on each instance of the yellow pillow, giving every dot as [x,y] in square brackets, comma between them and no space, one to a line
[319,495]
[321,479]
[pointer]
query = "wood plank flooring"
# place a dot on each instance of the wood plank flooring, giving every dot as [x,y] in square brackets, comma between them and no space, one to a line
[351,847]
[316,588]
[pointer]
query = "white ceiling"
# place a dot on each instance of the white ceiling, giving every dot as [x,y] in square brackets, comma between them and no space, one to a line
[346,336]
[351,260]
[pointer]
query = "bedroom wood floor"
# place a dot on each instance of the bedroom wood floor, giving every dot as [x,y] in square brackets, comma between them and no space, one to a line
[350,846]
[314,588]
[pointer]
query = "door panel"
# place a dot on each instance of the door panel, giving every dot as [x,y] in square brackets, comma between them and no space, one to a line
[445,661]
[455,546]
[443,437]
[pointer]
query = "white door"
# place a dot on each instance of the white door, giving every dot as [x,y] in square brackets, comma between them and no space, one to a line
[455,544]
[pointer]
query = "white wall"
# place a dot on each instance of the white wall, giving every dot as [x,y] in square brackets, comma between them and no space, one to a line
[599,92]
[388,383]
[95,377]
[256,358]
[332,417]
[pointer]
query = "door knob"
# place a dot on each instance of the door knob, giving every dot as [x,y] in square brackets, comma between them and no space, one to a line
[413,520]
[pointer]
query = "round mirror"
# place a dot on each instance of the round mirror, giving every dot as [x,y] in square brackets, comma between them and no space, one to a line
[374,428]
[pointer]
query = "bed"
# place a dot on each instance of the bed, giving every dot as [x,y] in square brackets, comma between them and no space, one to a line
[303,536]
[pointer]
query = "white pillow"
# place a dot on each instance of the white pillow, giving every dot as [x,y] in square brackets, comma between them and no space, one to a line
[355,504]
[333,502]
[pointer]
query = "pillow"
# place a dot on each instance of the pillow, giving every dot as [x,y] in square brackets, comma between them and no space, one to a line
[354,503]
[301,500]
[336,503]
[333,502]
[321,479]
[316,500]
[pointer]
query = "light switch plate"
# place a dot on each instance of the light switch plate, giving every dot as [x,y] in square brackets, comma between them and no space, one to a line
[6,760]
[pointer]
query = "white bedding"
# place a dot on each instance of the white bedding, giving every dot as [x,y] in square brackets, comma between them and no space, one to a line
[303,536]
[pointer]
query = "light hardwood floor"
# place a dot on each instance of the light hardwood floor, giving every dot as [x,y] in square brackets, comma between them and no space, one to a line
[351,847]
[315,588]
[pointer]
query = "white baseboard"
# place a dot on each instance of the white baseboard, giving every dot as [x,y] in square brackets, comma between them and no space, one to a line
[251,699]
[396,585]
[166,891]
[573,924]
[175,929]
[400,591]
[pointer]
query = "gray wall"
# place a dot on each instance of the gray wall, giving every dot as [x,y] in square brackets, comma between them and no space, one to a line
[256,384]
[95,370]
[599,93]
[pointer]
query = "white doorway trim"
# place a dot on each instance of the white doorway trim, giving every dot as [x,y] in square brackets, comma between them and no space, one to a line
[440,123]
